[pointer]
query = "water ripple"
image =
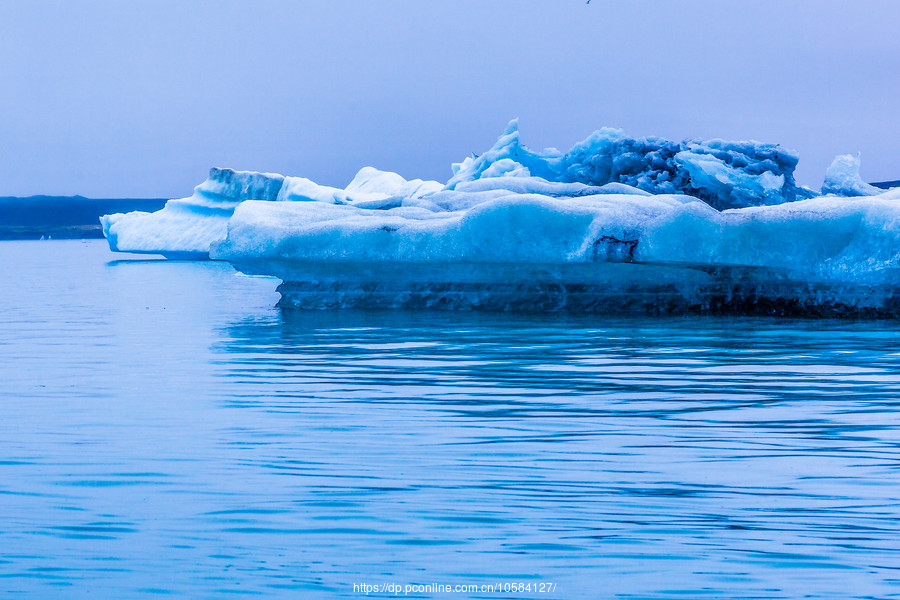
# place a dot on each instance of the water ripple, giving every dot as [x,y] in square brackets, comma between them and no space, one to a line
[166,431]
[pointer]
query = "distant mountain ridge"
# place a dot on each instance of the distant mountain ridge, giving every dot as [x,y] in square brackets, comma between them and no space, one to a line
[886,185]
[33,217]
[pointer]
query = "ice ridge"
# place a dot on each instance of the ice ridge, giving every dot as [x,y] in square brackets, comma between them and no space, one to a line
[722,174]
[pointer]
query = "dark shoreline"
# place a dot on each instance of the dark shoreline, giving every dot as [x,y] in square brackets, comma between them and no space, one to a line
[58,232]
[63,217]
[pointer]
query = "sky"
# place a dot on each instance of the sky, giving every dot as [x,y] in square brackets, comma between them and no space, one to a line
[141,98]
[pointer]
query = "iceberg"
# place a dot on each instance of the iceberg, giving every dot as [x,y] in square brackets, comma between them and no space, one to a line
[590,253]
[842,178]
[616,224]
[722,174]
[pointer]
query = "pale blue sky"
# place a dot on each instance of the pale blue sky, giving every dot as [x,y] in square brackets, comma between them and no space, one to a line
[140,98]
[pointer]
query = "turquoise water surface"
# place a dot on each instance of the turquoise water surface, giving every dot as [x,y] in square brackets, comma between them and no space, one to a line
[166,430]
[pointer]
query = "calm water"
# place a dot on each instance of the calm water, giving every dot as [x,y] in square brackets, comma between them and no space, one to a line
[165,430]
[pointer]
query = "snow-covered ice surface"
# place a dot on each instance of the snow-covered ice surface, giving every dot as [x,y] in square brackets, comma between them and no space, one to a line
[842,178]
[599,253]
[370,188]
[186,227]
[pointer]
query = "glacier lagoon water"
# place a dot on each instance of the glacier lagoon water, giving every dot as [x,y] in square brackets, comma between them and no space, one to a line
[165,429]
